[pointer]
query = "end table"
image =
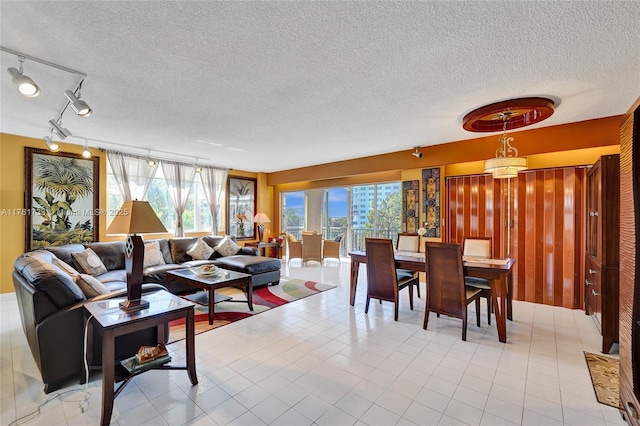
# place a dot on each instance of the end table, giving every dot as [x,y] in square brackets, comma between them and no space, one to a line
[274,248]
[110,321]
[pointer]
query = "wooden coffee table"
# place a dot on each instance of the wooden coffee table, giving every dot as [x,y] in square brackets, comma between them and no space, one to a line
[211,283]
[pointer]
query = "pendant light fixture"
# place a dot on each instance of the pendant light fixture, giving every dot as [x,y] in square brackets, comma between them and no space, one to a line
[507,164]
[26,86]
[511,114]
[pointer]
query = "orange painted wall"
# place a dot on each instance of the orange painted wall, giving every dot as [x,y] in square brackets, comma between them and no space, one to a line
[570,144]
[12,199]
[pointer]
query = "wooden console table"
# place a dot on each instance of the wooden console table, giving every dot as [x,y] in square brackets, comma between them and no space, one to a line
[110,322]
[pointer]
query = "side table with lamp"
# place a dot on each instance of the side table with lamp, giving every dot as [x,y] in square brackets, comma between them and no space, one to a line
[111,319]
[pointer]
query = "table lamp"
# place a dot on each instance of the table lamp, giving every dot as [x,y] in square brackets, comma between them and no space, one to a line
[133,218]
[261,218]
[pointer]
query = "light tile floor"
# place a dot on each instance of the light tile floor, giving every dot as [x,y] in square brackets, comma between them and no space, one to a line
[319,361]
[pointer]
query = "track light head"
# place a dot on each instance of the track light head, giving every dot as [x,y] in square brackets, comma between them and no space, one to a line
[51,144]
[60,131]
[79,106]
[86,152]
[417,154]
[151,162]
[26,86]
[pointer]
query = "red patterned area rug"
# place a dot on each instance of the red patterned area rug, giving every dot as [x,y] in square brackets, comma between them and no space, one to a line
[264,298]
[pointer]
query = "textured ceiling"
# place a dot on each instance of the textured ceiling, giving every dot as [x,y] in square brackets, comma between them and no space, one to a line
[267,86]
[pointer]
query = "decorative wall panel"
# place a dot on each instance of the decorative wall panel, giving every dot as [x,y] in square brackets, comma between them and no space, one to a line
[410,206]
[431,201]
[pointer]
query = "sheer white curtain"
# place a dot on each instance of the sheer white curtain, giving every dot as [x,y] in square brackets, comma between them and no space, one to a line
[179,179]
[132,174]
[214,182]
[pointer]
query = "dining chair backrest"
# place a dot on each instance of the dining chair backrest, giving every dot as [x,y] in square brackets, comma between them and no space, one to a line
[408,242]
[446,290]
[446,293]
[382,282]
[476,246]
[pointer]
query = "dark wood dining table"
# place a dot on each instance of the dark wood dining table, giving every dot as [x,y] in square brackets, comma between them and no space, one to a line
[498,272]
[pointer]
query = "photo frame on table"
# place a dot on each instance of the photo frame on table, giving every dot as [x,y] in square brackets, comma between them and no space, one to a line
[60,198]
[241,207]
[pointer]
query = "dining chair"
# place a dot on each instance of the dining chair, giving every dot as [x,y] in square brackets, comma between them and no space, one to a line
[383,281]
[447,293]
[294,248]
[479,247]
[311,248]
[331,248]
[408,241]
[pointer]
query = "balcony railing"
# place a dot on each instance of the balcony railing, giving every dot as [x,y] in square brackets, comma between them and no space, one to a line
[356,238]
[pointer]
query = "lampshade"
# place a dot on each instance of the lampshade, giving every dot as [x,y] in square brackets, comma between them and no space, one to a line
[505,173]
[136,217]
[515,163]
[261,218]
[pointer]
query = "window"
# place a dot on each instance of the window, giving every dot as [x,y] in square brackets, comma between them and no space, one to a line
[197,216]
[293,213]
[360,211]
[376,212]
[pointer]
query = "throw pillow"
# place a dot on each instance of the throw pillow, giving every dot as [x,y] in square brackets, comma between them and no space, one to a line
[65,266]
[291,238]
[227,247]
[200,250]
[152,254]
[89,262]
[90,286]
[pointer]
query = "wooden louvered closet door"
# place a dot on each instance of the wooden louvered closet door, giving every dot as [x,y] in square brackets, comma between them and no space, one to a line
[545,226]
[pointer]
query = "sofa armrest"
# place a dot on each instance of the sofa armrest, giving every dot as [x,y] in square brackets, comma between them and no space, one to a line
[58,347]
[251,251]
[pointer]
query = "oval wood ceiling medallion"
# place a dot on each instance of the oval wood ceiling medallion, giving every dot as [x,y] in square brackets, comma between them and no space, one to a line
[520,112]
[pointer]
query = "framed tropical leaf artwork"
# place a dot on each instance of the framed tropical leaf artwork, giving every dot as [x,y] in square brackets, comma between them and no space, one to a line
[61,198]
[241,207]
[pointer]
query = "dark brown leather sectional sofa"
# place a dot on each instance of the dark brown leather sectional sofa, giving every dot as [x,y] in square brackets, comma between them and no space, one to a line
[51,304]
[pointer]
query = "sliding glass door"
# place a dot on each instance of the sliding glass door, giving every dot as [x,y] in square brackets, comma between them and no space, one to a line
[357,212]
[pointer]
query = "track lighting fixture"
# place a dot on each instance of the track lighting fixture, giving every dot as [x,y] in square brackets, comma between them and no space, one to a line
[417,154]
[60,131]
[86,152]
[79,106]
[151,162]
[26,86]
[51,144]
